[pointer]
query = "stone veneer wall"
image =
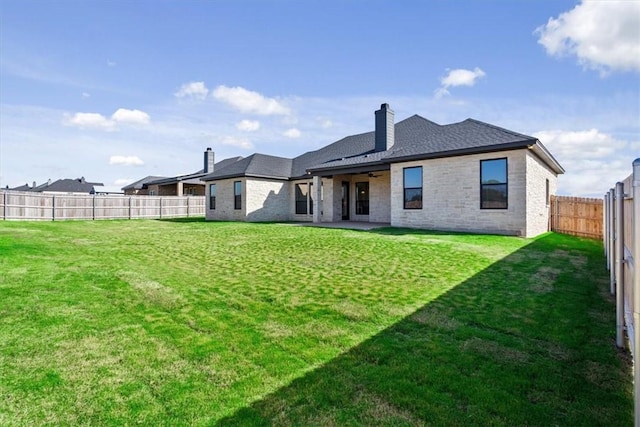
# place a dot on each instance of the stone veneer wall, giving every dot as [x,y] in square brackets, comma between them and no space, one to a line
[537,206]
[262,200]
[451,195]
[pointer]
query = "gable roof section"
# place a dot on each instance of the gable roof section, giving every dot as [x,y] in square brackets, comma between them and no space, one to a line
[415,138]
[141,182]
[418,138]
[195,177]
[78,185]
[256,165]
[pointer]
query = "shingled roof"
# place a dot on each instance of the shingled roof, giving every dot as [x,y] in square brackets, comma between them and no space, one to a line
[256,165]
[195,177]
[415,138]
[78,185]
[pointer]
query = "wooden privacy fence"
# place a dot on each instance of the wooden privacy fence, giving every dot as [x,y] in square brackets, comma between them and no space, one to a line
[38,206]
[622,243]
[578,216]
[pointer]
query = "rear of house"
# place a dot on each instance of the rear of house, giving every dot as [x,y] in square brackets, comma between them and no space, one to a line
[467,176]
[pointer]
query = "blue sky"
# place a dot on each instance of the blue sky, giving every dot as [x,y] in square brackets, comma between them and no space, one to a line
[114,91]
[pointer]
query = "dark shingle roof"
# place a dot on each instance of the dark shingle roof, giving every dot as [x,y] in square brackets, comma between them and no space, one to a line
[415,138]
[141,182]
[258,165]
[24,187]
[78,185]
[467,136]
[195,177]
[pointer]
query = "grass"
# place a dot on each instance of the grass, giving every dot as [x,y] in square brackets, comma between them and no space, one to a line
[195,323]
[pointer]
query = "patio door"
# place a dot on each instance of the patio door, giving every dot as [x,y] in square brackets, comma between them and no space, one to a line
[345,200]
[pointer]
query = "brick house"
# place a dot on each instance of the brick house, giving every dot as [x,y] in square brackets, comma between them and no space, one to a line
[467,176]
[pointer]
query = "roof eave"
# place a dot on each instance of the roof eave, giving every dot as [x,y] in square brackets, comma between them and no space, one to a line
[464,151]
[544,154]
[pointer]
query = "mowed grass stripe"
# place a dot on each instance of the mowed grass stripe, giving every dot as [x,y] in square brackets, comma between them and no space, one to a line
[193,323]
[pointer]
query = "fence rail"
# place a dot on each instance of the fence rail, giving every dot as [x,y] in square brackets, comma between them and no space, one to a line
[578,216]
[621,243]
[57,207]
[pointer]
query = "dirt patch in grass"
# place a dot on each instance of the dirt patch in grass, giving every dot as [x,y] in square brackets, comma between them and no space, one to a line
[436,318]
[543,279]
[151,291]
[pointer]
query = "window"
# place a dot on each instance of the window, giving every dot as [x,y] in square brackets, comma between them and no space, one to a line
[152,193]
[212,196]
[237,194]
[304,199]
[493,184]
[362,198]
[413,188]
[547,192]
[301,199]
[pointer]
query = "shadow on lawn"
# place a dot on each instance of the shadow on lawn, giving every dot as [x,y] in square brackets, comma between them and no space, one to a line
[527,341]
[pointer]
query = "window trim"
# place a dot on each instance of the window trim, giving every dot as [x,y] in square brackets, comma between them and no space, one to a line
[547,193]
[212,198]
[237,195]
[299,201]
[405,188]
[358,201]
[506,184]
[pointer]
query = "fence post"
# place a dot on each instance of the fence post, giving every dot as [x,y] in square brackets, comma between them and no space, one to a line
[612,243]
[4,205]
[53,208]
[93,208]
[129,207]
[636,287]
[606,227]
[619,227]
[160,207]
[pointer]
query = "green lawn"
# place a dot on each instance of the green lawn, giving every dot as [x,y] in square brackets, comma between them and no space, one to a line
[196,323]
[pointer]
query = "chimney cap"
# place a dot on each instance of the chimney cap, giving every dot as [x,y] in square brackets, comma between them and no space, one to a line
[384,106]
[208,148]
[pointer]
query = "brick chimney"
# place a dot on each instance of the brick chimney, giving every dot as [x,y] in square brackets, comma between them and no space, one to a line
[209,160]
[385,128]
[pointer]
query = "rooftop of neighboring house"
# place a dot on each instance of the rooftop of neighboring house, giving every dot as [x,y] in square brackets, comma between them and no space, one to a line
[77,185]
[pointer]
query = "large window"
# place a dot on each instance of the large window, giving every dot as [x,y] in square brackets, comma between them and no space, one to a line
[413,187]
[304,200]
[237,194]
[546,197]
[493,184]
[362,198]
[212,196]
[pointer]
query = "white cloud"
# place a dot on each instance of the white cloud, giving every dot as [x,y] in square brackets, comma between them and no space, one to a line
[233,141]
[126,160]
[458,77]
[90,121]
[591,159]
[134,117]
[111,63]
[98,121]
[196,90]
[86,95]
[292,133]
[248,101]
[248,125]
[603,35]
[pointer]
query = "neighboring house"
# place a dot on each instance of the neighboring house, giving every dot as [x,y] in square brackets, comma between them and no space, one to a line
[68,186]
[190,184]
[140,188]
[467,176]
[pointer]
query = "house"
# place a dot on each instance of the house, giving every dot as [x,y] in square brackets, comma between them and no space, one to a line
[466,176]
[183,184]
[140,188]
[66,186]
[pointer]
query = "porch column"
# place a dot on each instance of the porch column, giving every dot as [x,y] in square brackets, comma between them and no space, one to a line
[179,188]
[317,201]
